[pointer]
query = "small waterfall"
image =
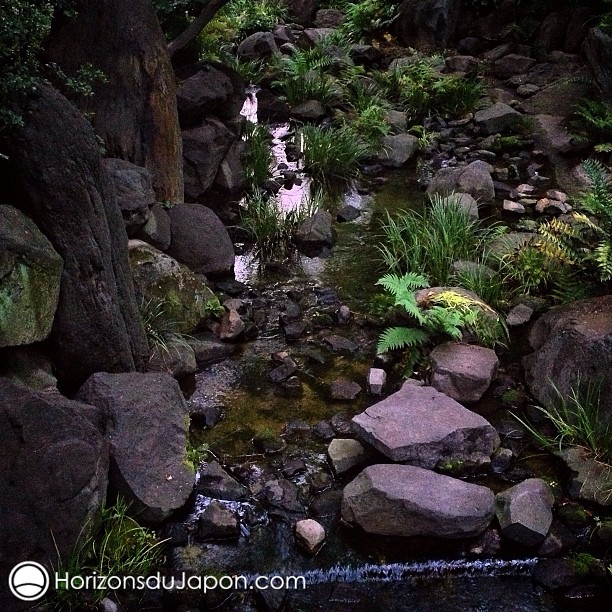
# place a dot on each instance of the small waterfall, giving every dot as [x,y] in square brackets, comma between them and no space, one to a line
[397,572]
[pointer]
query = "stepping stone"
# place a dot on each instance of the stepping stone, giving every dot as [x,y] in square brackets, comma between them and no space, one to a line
[463,371]
[423,427]
[344,390]
[339,343]
[403,500]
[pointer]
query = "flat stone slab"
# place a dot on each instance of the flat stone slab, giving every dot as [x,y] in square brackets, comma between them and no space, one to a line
[403,500]
[422,427]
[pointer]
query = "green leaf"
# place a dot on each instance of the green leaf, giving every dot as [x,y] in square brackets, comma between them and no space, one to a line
[394,338]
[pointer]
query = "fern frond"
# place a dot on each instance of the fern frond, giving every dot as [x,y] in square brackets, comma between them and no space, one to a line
[603,257]
[394,338]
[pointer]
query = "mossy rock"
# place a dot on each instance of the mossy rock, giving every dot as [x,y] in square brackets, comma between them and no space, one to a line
[30,275]
[185,296]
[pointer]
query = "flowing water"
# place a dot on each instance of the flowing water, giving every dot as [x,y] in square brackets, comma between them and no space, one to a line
[352,571]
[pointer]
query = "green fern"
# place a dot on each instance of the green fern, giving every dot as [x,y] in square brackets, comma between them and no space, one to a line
[395,338]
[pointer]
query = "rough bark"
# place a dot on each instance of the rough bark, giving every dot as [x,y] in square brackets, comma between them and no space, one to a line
[62,185]
[135,109]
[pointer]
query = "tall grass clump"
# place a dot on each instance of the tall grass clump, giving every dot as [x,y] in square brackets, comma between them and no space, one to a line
[577,419]
[116,546]
[421,89]
[257,158]
[332,154]
[270,228]
[429,242]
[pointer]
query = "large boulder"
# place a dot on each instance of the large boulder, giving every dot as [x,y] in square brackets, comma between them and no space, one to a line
[427,23]
[573,345]
[301,11]
[30,273]
[156,231]
[257,46]
[589,479]
[497,118]
[204,148]
[204,93]
[473,179]
[54,459]
[200,240]
[148,429]
[423,427]
[524,511]
[57,172]
[133,190]
[161,280]
[316,232]
[598,49]
[403,500]
[463,371]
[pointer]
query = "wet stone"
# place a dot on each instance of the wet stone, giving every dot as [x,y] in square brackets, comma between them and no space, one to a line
[343,315]
[294,331]
[269,445]
[282,372]
[281,495]
[297,430]
[310,535]
[345,454]
[344,390]
[376,381]
[205,416]
[340,344]
[343,426]
[215,482]
[488,544]
[320,481]
[293,467]
[324,430]
[291,311]
[347,213]
[217,521]
[519,315]
[558,540]
[327,297]
[292,387]
[556,574]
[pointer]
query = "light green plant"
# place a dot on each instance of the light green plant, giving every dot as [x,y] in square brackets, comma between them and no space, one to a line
[429,242]
[159,328]
[113,544]
[362,18]
[257,158]
[577,419]
[332,154]
[425,136]
[447,313]
[584,242]
[370,124]
[269,227]
[194,455]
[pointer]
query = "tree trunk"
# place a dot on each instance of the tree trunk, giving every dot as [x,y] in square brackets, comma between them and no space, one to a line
[135,109]
[196,26]
[57,176]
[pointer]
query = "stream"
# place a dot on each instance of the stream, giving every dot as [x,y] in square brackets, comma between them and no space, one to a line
[352,571]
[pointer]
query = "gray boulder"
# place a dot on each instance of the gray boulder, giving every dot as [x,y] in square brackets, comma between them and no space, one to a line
[328,18]
[231,177]
[301,11]
[403,500]
[54,476]
[28,365]
[204,149]
[134,192]
[257,46]
[512,64]
[427,23]
[463,371]
[204,93]
[345,454]
[163,282]
[497,118]
[524,511]
[176,358]
[30,274]
[317,231]
[473,179]
[148,429]
[200,240]
[423,427]
[397,150]
[466,202]
[156,231]
[572,344]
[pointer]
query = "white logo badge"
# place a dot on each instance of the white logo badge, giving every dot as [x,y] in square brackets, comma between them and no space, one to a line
[28,581]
